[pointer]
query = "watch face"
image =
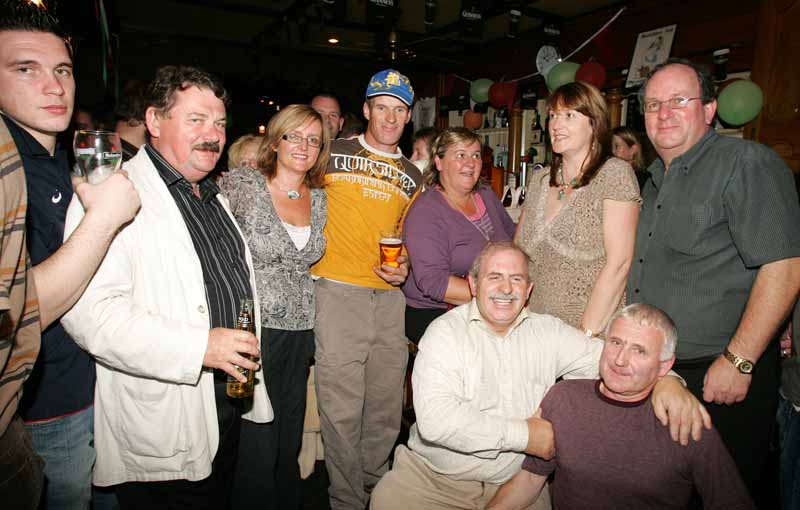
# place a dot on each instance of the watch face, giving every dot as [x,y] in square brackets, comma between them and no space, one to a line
[546,58]
[745,367]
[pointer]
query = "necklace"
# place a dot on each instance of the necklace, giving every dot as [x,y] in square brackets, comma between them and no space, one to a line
[292,194]
[562,188]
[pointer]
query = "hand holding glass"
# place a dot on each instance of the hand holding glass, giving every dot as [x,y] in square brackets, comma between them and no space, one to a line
[391,245]
[98,154]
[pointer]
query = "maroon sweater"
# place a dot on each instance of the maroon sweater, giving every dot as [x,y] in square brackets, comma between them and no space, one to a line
[617,455]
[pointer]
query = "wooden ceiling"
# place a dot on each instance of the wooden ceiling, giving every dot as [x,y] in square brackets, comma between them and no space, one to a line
[304,26]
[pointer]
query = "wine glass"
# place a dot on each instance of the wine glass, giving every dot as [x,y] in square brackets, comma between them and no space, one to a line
[98,154]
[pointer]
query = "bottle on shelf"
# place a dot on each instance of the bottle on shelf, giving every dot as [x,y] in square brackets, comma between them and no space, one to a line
[244,322]
[504,156]
[508,193]
[523,181]
[536,129]
[530,156]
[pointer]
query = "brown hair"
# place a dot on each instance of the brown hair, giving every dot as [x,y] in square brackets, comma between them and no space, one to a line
[285,121]
[630,138]
[160,93]
[439,147]
[586,99]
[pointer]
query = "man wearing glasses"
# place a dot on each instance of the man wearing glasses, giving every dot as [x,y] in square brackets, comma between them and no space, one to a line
[717,249]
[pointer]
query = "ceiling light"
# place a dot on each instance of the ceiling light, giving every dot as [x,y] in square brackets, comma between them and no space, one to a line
[333,40]
[430,13]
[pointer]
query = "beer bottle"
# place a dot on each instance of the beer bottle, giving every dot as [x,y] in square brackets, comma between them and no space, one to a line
[244,322]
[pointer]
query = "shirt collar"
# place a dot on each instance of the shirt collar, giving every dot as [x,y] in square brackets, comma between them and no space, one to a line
[26,144]
[475,316]
[686,161]
[171,177]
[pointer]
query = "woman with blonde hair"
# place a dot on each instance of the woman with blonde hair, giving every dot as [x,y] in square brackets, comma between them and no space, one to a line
[579,219]
[281,210]
[243,152]
[446,228]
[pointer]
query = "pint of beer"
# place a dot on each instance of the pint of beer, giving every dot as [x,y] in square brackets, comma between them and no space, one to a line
[391,245]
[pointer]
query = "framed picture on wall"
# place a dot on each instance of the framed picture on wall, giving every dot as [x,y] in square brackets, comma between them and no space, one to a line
[652,48]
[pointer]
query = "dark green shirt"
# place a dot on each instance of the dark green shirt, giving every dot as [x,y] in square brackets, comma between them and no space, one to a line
[725,207]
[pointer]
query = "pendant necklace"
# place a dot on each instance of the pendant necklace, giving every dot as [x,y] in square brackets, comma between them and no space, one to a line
[292,194]
[562,188]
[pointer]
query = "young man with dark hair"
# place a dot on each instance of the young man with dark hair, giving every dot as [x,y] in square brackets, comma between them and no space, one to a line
[37,92]
[129,115]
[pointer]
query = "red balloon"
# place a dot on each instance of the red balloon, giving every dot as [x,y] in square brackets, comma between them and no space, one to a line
[502,94]
[473,120]
[592,72]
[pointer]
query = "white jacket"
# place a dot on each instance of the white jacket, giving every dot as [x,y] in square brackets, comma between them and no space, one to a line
[144,318]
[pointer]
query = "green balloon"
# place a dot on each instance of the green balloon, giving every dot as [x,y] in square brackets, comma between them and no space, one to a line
[479,90]
[561,74]
[740,102]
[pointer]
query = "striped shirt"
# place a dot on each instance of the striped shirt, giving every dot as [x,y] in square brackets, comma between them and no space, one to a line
[219,246]
[20,333]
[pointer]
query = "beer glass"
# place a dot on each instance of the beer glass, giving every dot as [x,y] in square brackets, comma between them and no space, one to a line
[391,245]
[98,154]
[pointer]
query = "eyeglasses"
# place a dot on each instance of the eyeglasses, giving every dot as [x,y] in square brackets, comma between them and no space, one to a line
[674,103]
[312,140]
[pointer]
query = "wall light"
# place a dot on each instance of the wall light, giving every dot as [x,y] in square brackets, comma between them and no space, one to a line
[262,129]
[333,40]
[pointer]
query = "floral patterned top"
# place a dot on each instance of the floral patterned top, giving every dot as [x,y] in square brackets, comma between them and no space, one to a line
[285,288]
[568,253]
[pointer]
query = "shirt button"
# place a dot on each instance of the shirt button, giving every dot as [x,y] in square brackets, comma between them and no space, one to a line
[636,291]
[201,309]
[658,206]
[649,234]
[641,261]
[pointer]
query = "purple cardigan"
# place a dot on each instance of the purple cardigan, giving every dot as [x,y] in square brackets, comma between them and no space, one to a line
[441,242]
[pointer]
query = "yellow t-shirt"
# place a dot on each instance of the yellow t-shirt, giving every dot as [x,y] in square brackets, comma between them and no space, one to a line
[368,191]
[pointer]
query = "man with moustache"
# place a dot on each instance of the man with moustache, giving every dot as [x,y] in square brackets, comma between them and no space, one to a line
[612,452]
[160,314]
[481,371]
[328,106]
[361,347]
[37,91]
[717,248]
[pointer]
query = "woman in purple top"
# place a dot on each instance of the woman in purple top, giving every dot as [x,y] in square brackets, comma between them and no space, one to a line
[446,228]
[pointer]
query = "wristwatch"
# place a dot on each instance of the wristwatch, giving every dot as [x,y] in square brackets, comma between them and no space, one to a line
[745,366]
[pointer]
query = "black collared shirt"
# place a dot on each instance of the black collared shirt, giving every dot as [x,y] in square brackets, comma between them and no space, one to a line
[725,208]
[219,246]
[62,381]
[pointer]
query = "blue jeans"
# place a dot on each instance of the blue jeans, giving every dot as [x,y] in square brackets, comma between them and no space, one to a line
[789,436]
[66,445]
